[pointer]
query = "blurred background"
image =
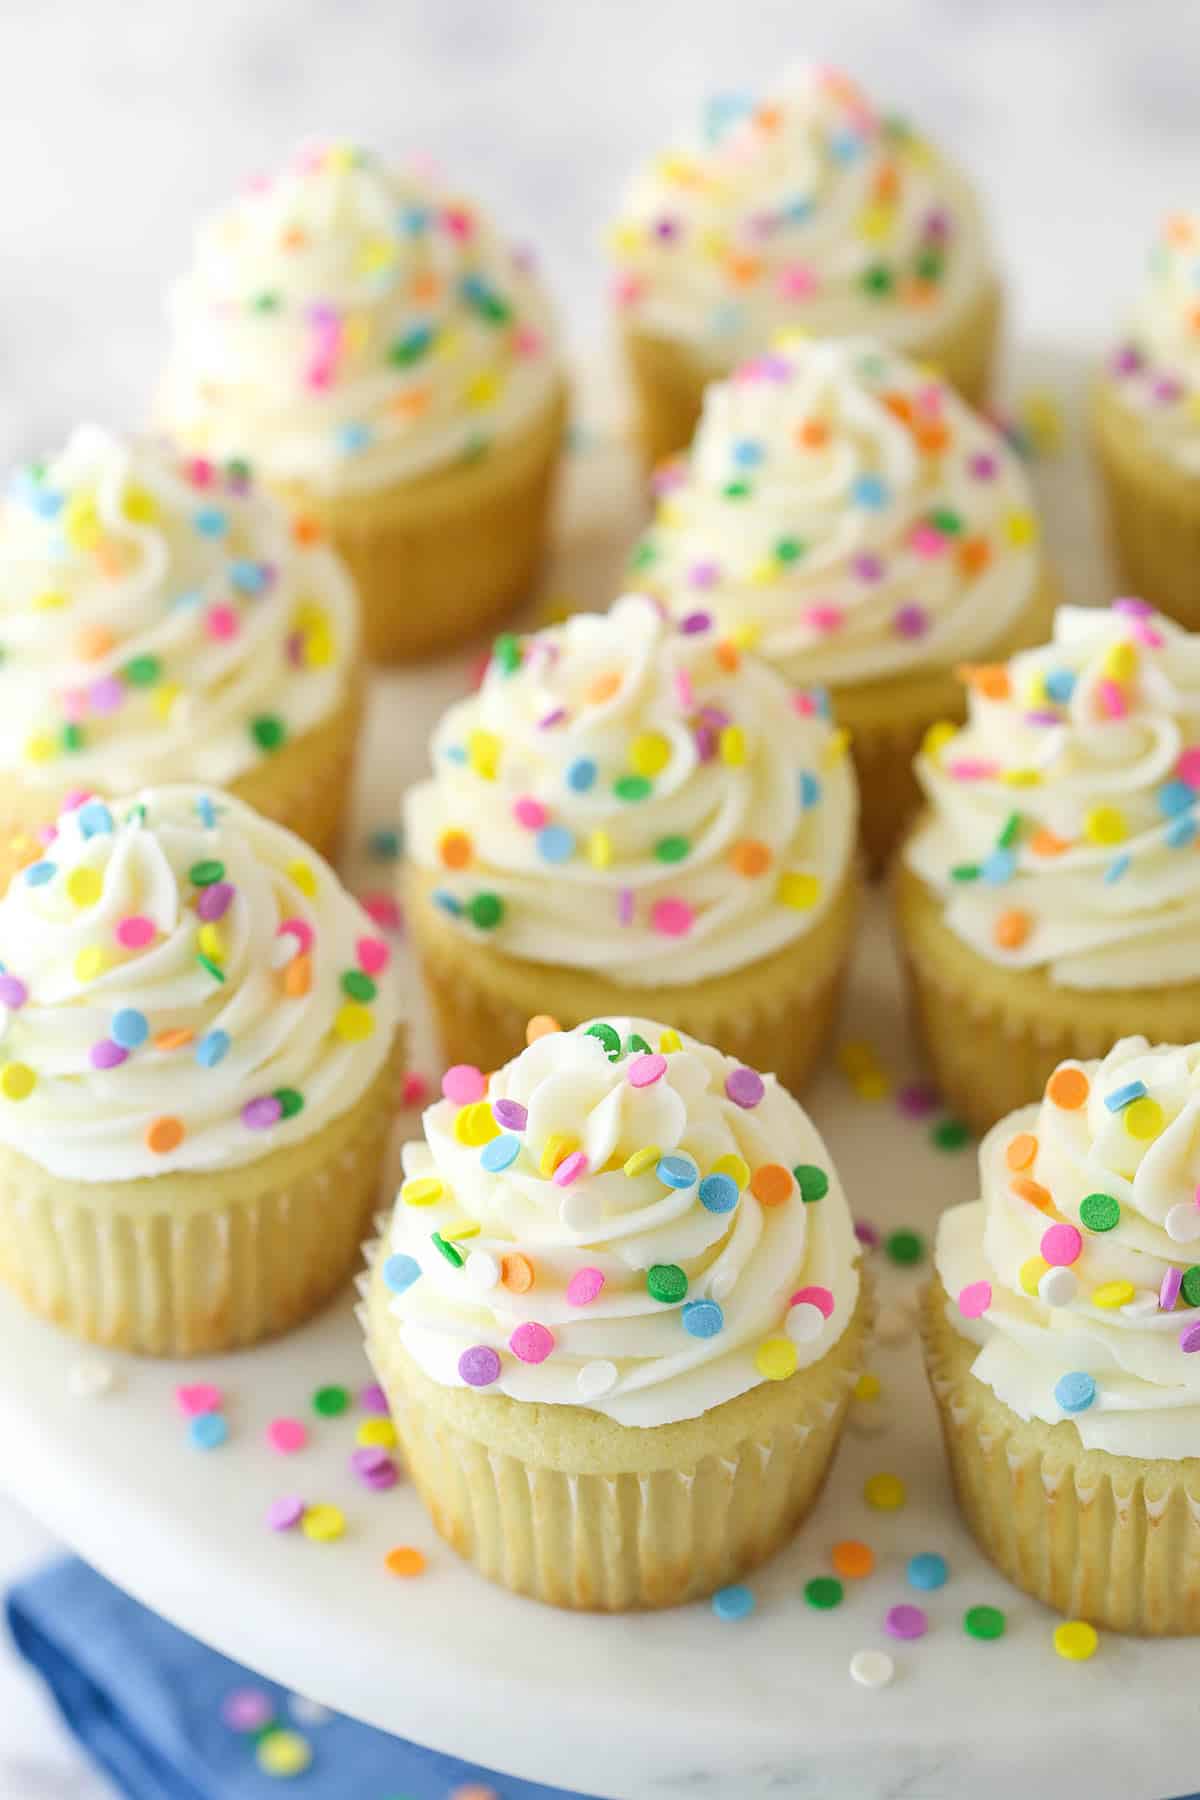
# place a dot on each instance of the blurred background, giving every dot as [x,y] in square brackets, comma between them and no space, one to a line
[123,120]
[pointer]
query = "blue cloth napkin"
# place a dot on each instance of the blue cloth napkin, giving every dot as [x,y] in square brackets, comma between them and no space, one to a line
[149,1704]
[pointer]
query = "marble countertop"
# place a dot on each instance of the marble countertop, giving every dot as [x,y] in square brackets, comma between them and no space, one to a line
[122,122]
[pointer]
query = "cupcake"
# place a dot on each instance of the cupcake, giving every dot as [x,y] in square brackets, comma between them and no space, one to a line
[1061,1335]
[199,1041]
[378,354]
[162,622]
[805,210]
[630,816]
[855,523]
[618,1314]
[1049,897]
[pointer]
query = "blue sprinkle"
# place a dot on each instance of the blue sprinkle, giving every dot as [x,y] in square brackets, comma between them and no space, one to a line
[1180,832]
[555,844]
[1175,798]
[45,502]
[399,1273]
[211,1048]
[702,1318]
[747,453]
[39,873]
[581,774]
[998,867]
[455,753]
[1118,867]
[845,146]
[208,1430]
[248,576]
[211,521]
[719,1193]
[413,220]
[129,1028]
[928,1570]
[448,902]
[193,597]
[1075,1392]
[1059,685]
[500,1153]
[677,1171]
[810,790]
[95,820]
[353,437]
[727,319]
[798,210]
[385,844]
[206,812]
[821,702]
[733,1603]
[1123,1096]
[870,491]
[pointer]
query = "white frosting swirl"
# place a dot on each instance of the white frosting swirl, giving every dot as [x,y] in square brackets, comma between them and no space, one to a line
[1156,367]
[625,796]
[1108,1169]
[806,209]
[1062,826]
[347,325]
[159,620]
[646,1290]
[846,514]
[184,986]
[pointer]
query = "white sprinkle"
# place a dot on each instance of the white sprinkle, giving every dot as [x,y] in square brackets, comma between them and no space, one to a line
[307,1712]
[1058,1287]
[804,1322]
[1141,1306]
[871,1668]
[722,1284]
[87,1380]
[1183,1222]
[894,1325]
[595,1379]
[482,1270]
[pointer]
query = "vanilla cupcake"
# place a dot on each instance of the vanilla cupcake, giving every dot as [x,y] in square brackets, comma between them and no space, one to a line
[365,339]
[1062,1333]
[1146,420]
[630,816]
[162,621]
[1049,898]
[199,1034]
[806,210]
[617,1313]
[857,525]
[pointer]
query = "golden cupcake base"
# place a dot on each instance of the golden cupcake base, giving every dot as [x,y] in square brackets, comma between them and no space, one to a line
[1153,510]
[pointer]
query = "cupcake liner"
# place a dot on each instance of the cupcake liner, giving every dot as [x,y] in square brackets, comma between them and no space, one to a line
[669,376]
[438,559]
[1153,510]
[776,1014]
[561,1504]
[1111,1539]
[184,1265]
[994,1036]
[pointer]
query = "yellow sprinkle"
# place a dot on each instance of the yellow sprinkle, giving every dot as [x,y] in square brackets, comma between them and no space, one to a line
[668,1041]
[776,1359]
[732,746]
[856,1056]
[41,747]
[798,891]
[1113,1294]
[745,636]
[835,750]
[1144,1119]
[283,1752]
[624,238]
[1020,528]
[164,698]
[558,1146]
[875,223]
[872,1084]
[51,601]
[319,647]
[211,940]
[81,522]
[1021,777]
[886,1493]
[765,574]
[1076,1640]
[139,505]
[937,737]
[599,849]
[483,389]
[323,1523]
[422,1190]
[17,1081]
[649,753]
[641,1160]
[735,1166]
[354,1022]
[461,1228]
[1121,662]
[90,962]
[474,1125]
[84,886]
[1105,825]
[375,254]
[867,1387]
[483,753]
[1034,693]
[1032,1270]
[1041,415]
[377,1434]
[300,874]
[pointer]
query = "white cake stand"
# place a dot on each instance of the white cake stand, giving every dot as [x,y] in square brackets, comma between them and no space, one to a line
[634,1707]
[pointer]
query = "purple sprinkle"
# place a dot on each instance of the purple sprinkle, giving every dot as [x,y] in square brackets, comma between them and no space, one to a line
[866,1234]
[106,1055]
[745,1087]
[906,1621]
[867,567]
[1166,389]
[936,223]
[369,1459]
[773,367]
[703,574]
[106,695]
[373,1400]
[1138,609]
[1168,1293]
[1189,1339]
[479,1366]
[706,742]
[214,902]
[1126,360]
[554,717]
[918,1099]
[262,1113]
[695,622]
[13,991]
[296,650]
[382,1478]
[983,466]
[247,1709]
[283,1514]
[716,715]
[510,1113]
[1045,717]
[625,906]
[911,621]
[666,228]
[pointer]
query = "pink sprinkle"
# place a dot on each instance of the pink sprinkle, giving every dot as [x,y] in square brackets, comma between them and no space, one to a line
[298,929]
[76,798]
[107,1055]
[198,1397]
[797,281]
[287,1435]
[820,1297]
[221,622]
[804,704]
[685,693]
[1148,635]
[74,705]
[645,1070]
[927,540]
[1061,1245]
[247,1709]
[282,1514]
[135,931]
[672,918]
[199,471]
[373,1400]
[1112,699]
[414,1090]
[46,834]
[570,1169]
[867,1234]
[527,342]
[584,1286]
[975,1298]
[1132,607]
[106,695]
[382,908]
[463,1083]
[625,906]
[531,1342]
[373,955]
[626,289]
[826,619]
[530,812]
[1188,767]
[972,768]
[478,669]
[1168,1293]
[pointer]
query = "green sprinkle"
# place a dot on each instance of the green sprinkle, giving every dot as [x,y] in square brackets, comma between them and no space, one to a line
[789,549]
[266,303]
[1100,1212]
[736,490]
[72,737]
[608,1037]
[877,279]
[633,787]
[666,1282]
[485,910]
[412,347]
[950,1134]
[358,985]
[948,522]
[824,1593]
[214,969]
[812,1182]
[1190,1288]
[930,265]
[452,1254]
[330,1401]
[476,447]
[984,1622]
[290,1100]
[203,874]
[237,469]
[142,671]
[506,653]
[268,731]
[965,872]
[633,1042]
[643,555]
[1010,833]
[905,1248]
[671,849]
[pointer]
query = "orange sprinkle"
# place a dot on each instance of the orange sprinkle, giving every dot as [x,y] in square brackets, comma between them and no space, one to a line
[405,1560]
[516,1272]
[1045,842]
[92,642]
[164,1134]
[1025,1188]
[541,1025]
[425,285]
[174,1039]
[852,1559]
[410,402]
[812,434]
[900,407]
[295,238]
[297,976]
[1021,1150]
[771,1184]
[887,182]
[743,270]
[750,857]
[1012,928]
[931,435]
[454,848]
[1068,1088]
[1179,228]
[306,530]
[768,118]
[989,679]
[110,559]
[602,688]
[974,555]
[729,656]
[918,293]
